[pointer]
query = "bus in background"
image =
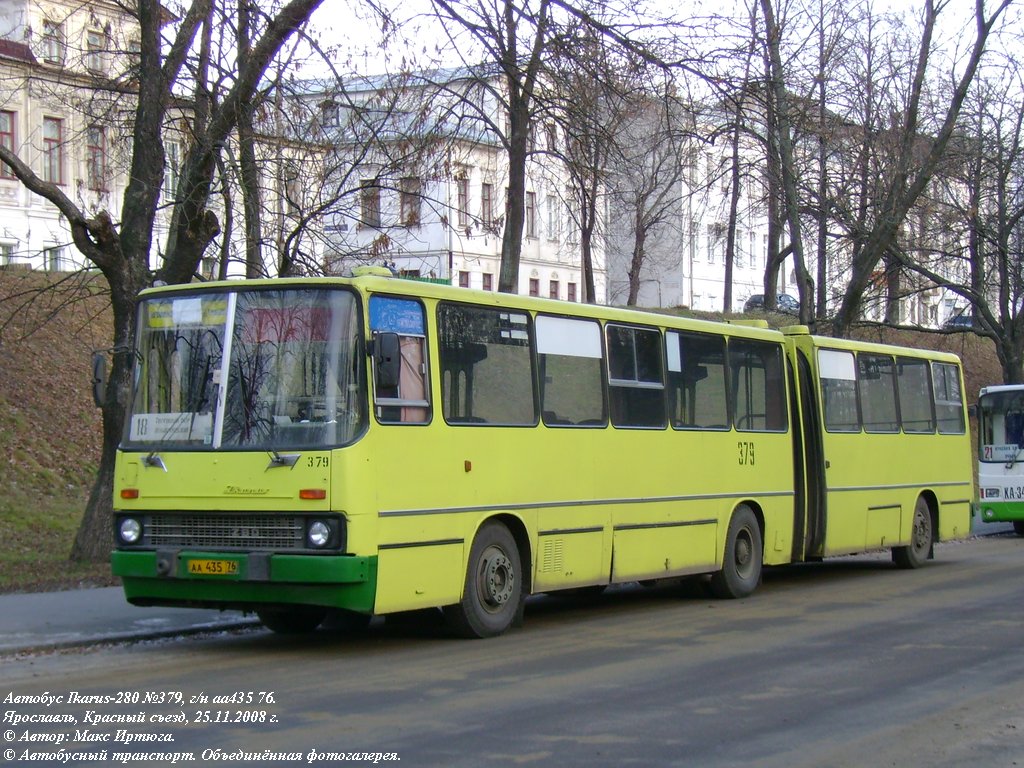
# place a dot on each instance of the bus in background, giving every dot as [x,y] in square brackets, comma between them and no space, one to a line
[1000,457]
[350,447]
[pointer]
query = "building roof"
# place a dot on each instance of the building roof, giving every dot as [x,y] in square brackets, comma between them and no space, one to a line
[9,49]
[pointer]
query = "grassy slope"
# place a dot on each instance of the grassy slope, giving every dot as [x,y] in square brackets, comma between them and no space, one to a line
[50,430]
[49,427]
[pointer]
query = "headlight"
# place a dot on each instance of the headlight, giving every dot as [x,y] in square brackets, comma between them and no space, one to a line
[318,534]
[130,530]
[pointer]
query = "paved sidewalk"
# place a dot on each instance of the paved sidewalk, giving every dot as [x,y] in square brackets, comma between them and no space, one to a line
[51,620]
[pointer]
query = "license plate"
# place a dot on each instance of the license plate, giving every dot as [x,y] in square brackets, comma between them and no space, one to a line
[213,567]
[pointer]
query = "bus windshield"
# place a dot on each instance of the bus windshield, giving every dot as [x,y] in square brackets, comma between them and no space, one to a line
[1001,425]
[260,369]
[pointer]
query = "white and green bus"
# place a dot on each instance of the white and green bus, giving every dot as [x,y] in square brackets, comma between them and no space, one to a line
[1001,455]
[347,447]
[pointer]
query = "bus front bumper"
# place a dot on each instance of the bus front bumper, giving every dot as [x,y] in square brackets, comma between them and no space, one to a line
[246,581]
[999,511]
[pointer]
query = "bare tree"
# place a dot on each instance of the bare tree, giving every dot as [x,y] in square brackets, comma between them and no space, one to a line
[917,157]
[975,216]
[119,243]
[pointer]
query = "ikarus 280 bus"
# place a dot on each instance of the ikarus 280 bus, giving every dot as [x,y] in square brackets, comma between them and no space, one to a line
[347,447]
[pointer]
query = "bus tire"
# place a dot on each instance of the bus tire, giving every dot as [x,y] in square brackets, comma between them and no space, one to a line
[922,538]
[1018,527]
[493,593]
[297,620]
[744,556]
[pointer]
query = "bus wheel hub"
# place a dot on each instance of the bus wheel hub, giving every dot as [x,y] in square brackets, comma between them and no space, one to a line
[498,579]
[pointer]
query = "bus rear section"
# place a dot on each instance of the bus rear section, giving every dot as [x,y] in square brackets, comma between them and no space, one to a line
[886,448]
[1001,455]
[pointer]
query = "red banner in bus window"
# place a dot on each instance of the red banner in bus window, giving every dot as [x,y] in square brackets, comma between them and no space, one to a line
[283,324]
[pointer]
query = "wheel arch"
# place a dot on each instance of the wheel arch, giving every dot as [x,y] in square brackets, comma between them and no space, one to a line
[933,511]
[522,538]
[754,506]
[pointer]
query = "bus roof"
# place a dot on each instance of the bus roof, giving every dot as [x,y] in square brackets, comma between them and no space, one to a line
[426,290]
[375,283]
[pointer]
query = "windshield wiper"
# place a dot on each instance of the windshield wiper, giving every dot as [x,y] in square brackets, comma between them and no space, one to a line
[282,459]
[154,460]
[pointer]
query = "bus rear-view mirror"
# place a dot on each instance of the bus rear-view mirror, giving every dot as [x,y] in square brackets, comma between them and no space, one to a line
[387,359]
[99,378]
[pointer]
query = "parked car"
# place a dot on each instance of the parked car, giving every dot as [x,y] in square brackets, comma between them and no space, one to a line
[783,303]
[961,322]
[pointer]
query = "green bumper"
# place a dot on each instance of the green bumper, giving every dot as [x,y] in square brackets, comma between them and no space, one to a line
[154,578]
[999,511]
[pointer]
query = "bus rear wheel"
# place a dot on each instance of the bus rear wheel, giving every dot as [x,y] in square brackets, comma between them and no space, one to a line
[493,593]
[922,537]
[744,556]
[297,620]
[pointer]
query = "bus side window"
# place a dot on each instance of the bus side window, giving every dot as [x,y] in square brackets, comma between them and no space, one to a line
[635,385]
[838,373]
[571,386]
[913,384]
[697,394]
[486,366]
[758,386]
[949,402]
[877,389]
[398,324]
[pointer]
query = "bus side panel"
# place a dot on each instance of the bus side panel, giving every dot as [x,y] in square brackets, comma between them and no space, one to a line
[570,558]
[421,576]
[665,549]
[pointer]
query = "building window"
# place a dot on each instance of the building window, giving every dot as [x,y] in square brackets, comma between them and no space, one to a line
[570,292]
[53,150]
[462,202]
[534,286]
[487,205]
[409,198]
[369,203]
[488,281]
[172,168]
[96,158]
[6,254]
[52,48]
[552,216]
[53,259]
[463,279]
[292,186]
[330,114]
[531,214]
[7,122]
[95,47]
[553,289]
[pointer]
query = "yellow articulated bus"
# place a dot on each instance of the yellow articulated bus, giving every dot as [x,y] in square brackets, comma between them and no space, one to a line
[344,447]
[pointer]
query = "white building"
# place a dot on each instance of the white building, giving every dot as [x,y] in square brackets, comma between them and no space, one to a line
[426,175]
[52,53]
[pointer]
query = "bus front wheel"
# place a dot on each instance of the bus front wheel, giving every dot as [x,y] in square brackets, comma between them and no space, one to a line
[744,555]
[922,538]
[1018,527]
[493,592]
[297,620]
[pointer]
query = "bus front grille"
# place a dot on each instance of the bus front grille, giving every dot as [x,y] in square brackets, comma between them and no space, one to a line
[217,531]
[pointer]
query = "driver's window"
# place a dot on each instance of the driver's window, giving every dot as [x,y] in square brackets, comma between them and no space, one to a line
[408,400]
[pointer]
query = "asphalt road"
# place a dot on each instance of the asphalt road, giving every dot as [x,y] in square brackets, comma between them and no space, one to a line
[846,663]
